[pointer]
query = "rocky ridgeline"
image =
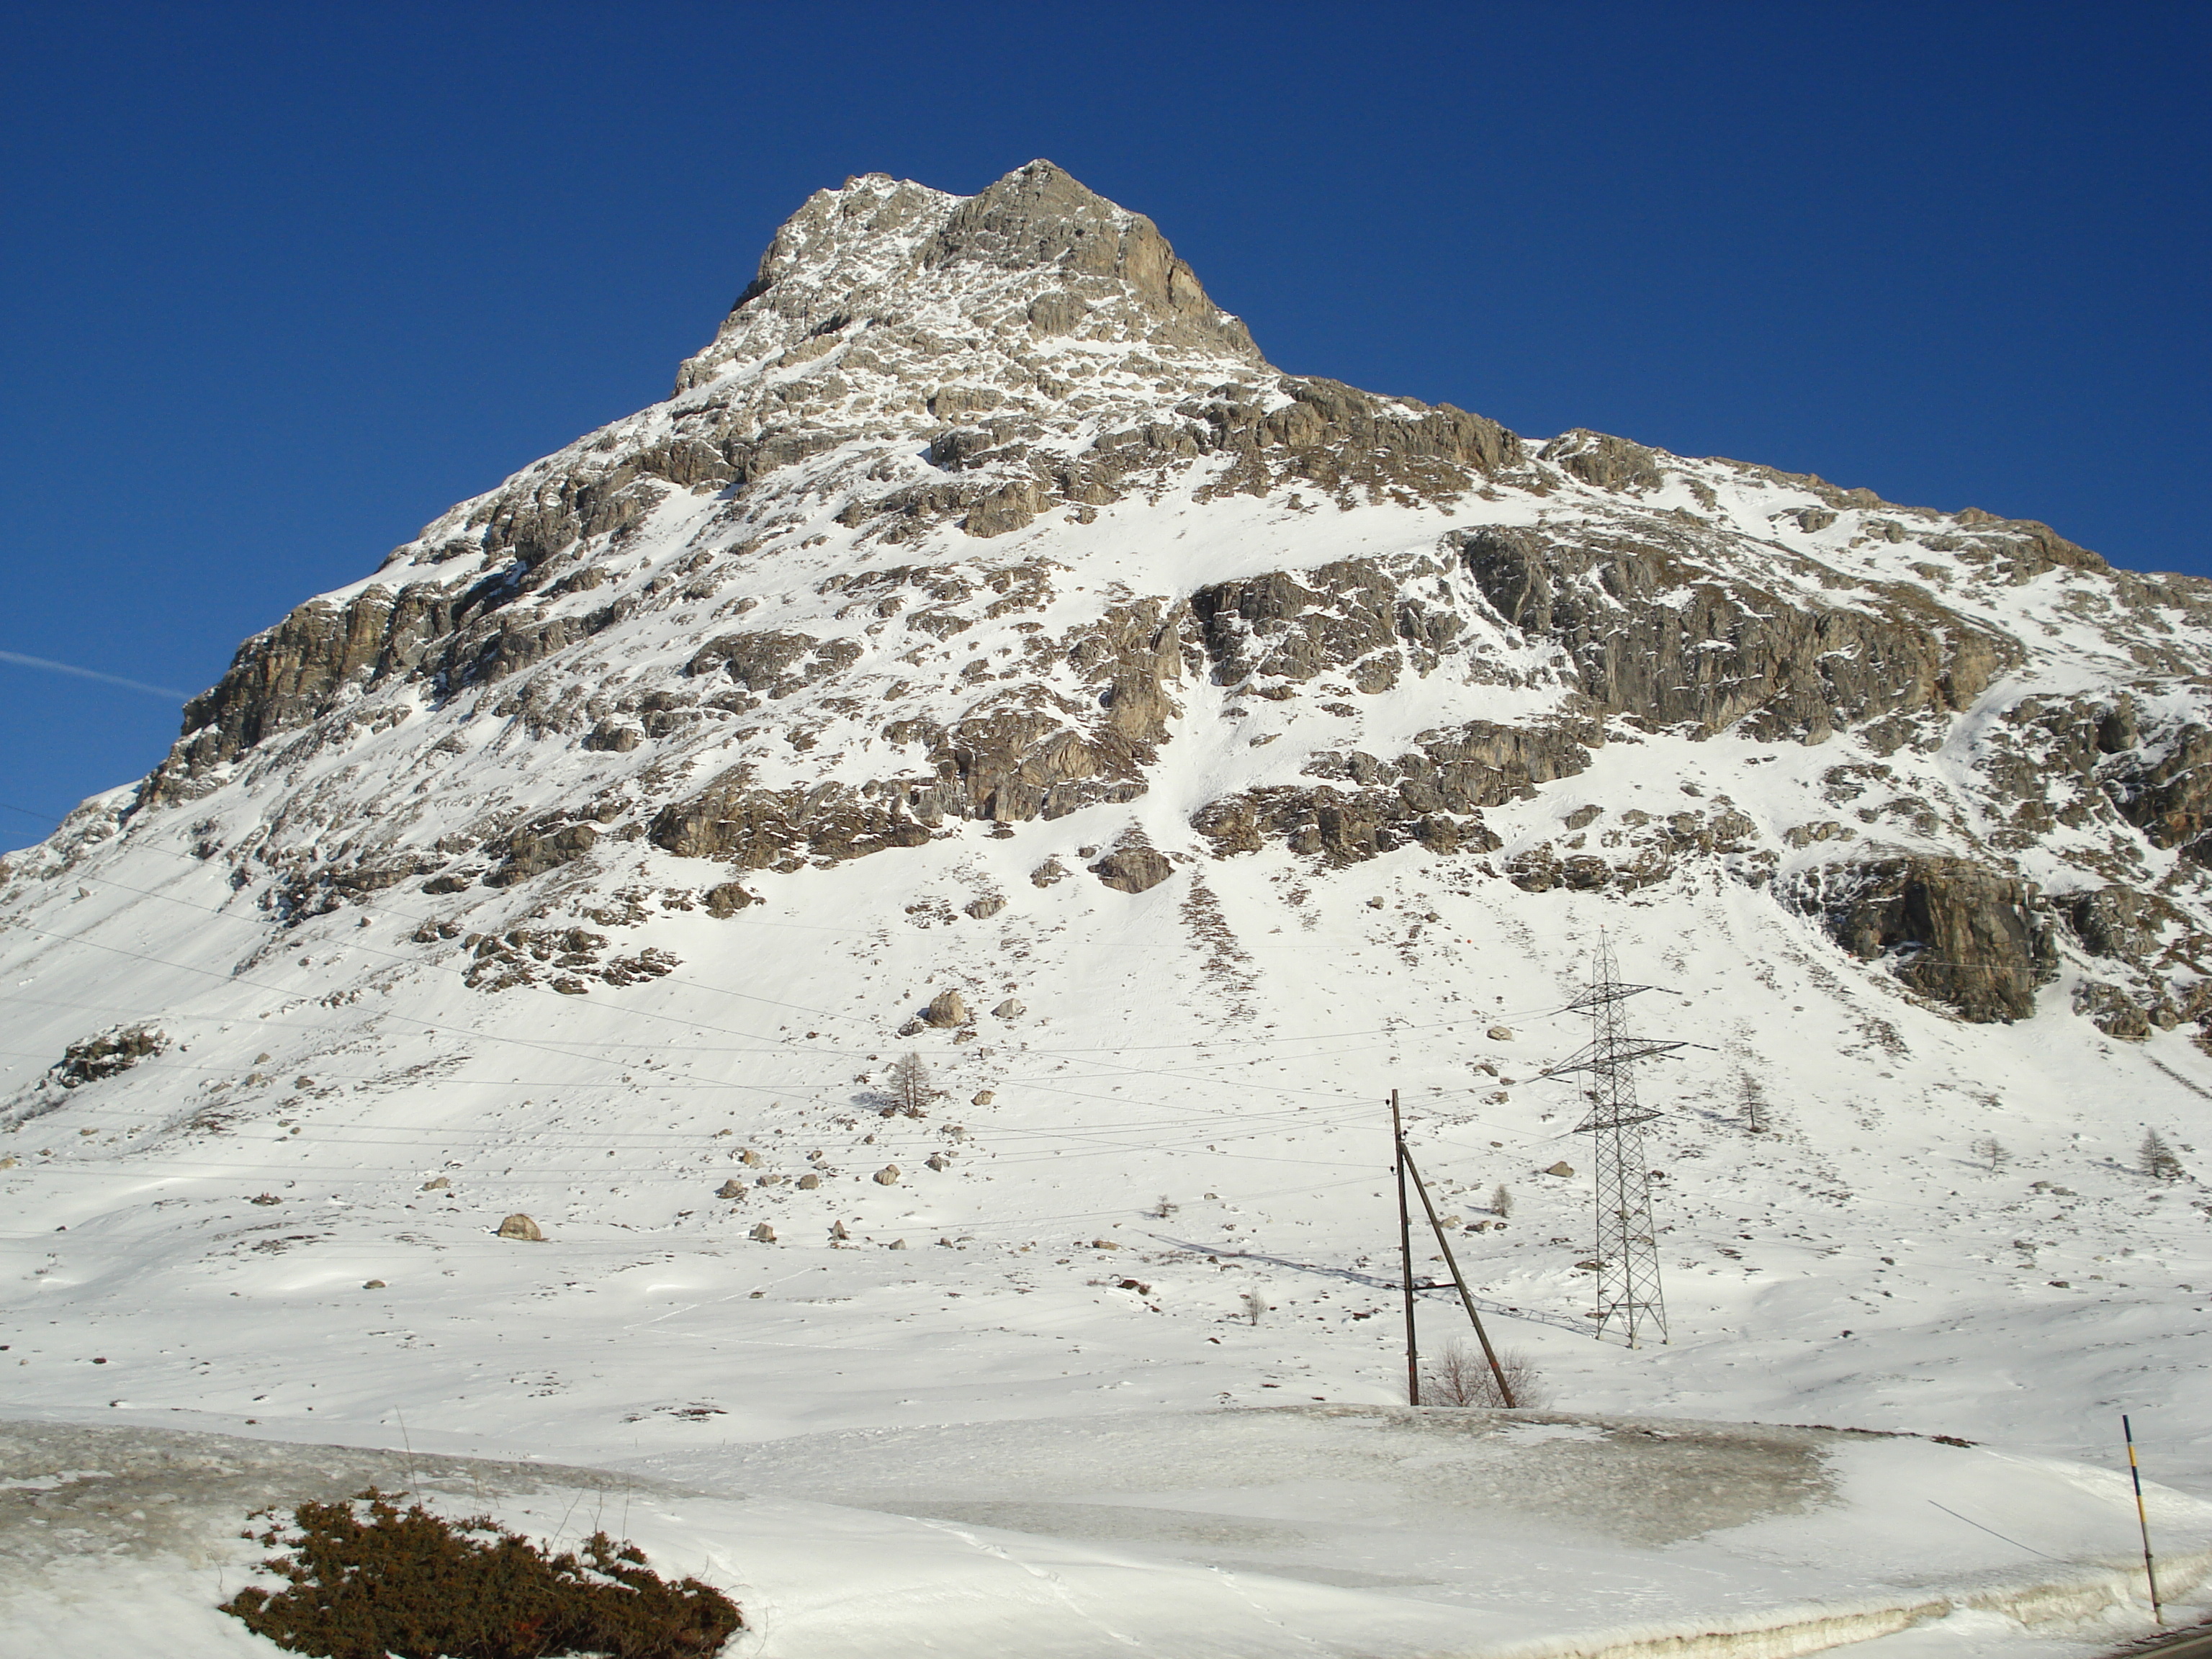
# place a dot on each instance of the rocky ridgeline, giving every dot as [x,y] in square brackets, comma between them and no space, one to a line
[843,592]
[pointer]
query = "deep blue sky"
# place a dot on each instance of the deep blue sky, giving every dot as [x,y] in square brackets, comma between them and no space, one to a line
[281,284]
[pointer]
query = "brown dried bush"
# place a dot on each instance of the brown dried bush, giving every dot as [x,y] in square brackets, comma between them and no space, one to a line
[1459,1375]
[366,1579]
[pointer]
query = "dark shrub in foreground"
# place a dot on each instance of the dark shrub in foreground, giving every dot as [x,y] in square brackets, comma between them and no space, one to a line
[366,1579]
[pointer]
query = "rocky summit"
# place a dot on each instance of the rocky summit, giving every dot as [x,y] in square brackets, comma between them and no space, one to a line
[984,655]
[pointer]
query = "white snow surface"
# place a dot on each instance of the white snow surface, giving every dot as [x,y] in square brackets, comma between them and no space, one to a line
[1186,1121]
[1340,1531]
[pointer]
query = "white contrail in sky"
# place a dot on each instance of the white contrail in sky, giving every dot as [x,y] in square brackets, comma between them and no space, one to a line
[22,661]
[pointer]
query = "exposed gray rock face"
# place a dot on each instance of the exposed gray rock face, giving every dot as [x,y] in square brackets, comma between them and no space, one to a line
[1651,629]
[1351,616]
[529,854]
[1431,796]
[1964,935]
[1608,462]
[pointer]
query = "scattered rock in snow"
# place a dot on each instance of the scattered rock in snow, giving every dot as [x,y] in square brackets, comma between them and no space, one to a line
[1562,1168]
[888,1175]
[938,1161]
[1045,874]
[1012,1008]
[763,1233]
[373,1284]
[749,1157]
[807,1183]
[837,1231]
[982,1098]
[729,1189]
[112,1052]
[727,899]
[267,1198]
[520,1225]
[896,1244]
[1132,869]
[985,907]
[947,1008]
[437,1185]
[1501,1034]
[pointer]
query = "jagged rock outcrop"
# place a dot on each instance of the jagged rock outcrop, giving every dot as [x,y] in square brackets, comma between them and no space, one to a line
[1968,937]
[1653,629]
[1350,616]
[1608,462]
[1432,795]
[108,1054]
[1132,869]
[1652,847]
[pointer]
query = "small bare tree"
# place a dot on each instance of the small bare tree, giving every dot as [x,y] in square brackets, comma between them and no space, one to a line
[912,1089]
[1461,1376]
[2156,1159]
[1991,1151]
[1755,1104]
[1254,1303]
[1165,1207]
[1501,1200]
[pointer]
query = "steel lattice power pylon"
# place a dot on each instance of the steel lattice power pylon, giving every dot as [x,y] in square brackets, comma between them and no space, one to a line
[1628,1290]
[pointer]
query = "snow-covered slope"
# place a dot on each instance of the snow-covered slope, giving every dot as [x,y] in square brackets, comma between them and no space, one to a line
[983,614]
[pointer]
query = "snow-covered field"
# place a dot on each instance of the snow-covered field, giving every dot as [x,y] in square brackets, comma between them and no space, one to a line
[1340,1531]
[1032,1279]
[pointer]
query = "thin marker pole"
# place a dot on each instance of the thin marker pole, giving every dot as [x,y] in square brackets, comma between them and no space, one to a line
[2143,1520]
[1466,1301]
[1404,1254]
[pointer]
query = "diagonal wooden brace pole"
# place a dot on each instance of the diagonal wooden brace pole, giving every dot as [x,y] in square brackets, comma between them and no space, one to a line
[1504,1388]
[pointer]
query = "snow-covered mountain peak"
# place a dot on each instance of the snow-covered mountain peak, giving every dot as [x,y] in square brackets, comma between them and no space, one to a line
[985,652]
[1034,272]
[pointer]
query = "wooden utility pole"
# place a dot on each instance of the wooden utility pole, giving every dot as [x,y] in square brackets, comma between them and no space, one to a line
[1504,1388]
[1406,1255]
